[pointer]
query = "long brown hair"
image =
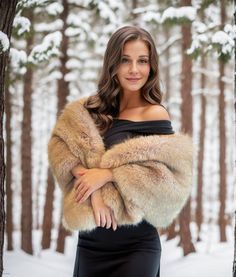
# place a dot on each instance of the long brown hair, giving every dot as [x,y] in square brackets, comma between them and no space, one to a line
[104,105]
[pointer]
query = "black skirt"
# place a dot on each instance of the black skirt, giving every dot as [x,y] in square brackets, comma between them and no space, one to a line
[128,251]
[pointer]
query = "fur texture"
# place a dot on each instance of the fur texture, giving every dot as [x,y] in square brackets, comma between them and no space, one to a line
[153,174]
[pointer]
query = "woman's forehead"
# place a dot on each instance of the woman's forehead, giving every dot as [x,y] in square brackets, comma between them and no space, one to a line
[135,46]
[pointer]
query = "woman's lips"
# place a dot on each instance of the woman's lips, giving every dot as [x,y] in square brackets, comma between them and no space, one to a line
[133,79]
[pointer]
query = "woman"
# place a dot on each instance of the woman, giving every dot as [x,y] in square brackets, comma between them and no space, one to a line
[121,168]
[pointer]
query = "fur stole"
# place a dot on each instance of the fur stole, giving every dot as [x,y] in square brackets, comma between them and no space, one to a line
[152,174]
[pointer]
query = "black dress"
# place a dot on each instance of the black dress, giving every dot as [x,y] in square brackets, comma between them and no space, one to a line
[132,250]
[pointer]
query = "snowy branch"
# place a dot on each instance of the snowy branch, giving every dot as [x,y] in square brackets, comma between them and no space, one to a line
[4,42]
[169,43]
[179,15]
[21,24]
[48,48]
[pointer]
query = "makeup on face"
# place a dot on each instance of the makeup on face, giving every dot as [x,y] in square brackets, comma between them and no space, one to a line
[134,67]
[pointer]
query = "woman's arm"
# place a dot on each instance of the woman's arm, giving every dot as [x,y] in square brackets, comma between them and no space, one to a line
[103,214]
[89,180]
[61,161]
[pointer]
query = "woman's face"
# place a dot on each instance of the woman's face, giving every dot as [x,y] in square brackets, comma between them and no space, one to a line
[134,68]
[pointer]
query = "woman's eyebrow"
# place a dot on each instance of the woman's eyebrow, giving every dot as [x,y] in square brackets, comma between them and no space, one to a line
[139,56]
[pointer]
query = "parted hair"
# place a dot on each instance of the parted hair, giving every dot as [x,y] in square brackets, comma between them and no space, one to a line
[104,105]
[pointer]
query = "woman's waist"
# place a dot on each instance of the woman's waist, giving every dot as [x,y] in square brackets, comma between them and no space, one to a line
[123,233]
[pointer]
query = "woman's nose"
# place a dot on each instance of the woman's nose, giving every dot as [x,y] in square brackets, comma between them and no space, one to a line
[133,67]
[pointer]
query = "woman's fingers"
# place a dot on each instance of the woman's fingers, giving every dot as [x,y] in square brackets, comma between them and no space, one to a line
[97,218]
[85,196]
[103,219]
[114,222]
[108,219]
[81,193]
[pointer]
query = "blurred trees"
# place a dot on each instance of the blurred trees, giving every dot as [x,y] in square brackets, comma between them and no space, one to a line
[56,56]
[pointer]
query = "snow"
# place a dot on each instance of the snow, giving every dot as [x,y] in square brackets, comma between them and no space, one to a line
[119,4]
[222,38]
[197,41]
[80,2]
[182,12]
[218,263]
[22,24]
[31,3]
[54,8]
[73,63]
[200,27]
[152,16]
[49,27]
[106,12]
[146,8]
[4,42]
[18,59]
[212,259]
[231,30]
[79,21]
[49,47]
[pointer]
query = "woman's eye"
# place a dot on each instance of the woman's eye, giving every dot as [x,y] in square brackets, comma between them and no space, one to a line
[143,61]
[124,60]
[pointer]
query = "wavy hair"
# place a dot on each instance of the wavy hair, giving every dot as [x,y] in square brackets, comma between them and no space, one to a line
[104,105]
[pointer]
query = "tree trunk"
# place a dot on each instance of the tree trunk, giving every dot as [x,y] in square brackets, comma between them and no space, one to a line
[48,208]
[222,164]
[62,93]
[26,154]
[186,113]
[199,214]
[62,234]
[234,261]
[9,223]
[167,68]
[7,13]
[171,231]
[222,131]
[134,16]
[63,86]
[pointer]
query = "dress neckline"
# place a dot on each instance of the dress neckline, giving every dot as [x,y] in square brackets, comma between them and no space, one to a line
[141,121]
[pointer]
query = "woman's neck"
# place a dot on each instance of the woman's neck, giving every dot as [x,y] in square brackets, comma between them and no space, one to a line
[131,100]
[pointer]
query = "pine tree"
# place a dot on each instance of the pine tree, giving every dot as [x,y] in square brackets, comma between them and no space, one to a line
[222,131]
[7,13]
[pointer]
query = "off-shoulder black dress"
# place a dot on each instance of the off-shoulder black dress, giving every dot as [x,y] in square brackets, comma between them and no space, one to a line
[130,251]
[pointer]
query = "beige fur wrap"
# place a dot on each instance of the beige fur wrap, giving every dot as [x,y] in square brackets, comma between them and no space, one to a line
[152,174]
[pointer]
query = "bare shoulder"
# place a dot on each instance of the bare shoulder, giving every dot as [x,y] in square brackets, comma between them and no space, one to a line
[155,112]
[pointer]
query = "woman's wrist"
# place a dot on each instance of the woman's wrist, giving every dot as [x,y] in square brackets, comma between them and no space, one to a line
[109,175]
[75,170]
[96,196]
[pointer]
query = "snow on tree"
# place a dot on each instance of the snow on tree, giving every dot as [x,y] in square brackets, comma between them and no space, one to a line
[4,42]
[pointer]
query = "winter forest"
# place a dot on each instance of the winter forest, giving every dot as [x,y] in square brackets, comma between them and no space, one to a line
[54,56]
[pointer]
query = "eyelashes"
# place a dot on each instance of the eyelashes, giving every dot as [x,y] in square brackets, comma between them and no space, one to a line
[141,61]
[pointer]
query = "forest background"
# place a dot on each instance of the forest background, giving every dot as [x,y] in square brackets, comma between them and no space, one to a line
[55,57]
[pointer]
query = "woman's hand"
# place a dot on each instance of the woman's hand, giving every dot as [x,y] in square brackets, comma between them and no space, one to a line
[103,214]
[90,180]
[77,170]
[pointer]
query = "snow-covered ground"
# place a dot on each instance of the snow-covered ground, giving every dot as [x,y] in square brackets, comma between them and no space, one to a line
[212,259]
